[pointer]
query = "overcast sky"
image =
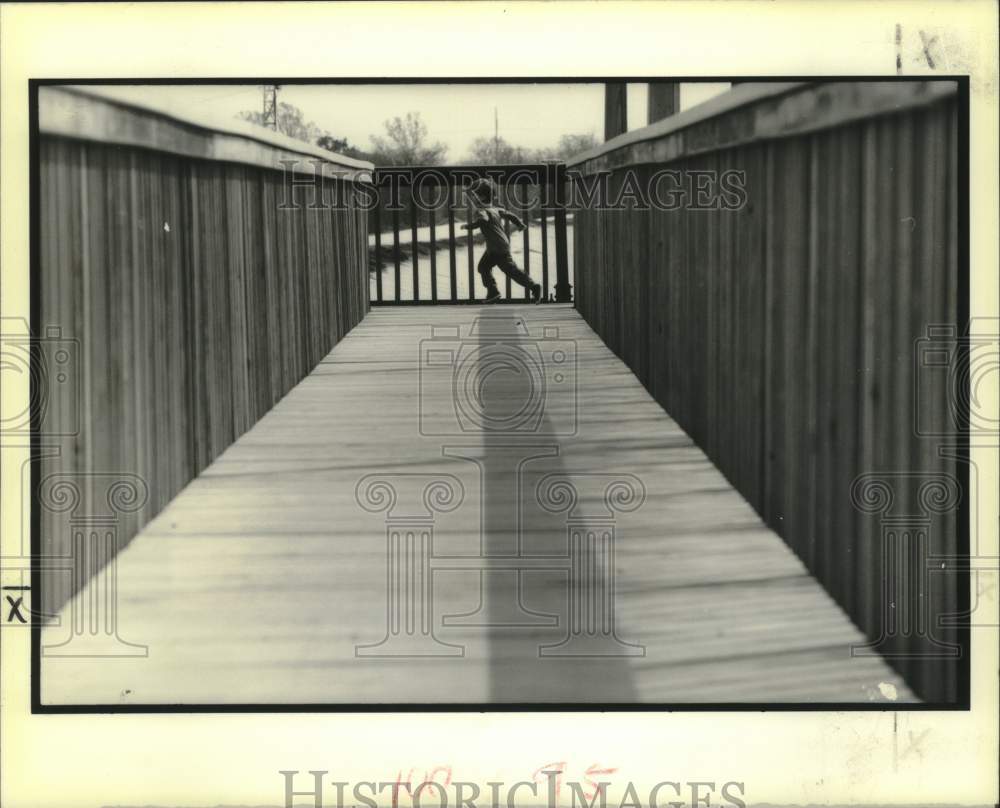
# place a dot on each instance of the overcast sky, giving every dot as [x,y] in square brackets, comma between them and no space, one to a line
[530,115]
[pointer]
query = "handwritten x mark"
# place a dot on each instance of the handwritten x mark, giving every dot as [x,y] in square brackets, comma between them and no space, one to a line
[914,745]
[15,609]
[927,45]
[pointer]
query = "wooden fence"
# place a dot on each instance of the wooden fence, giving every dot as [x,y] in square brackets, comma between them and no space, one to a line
[783,328]
[192,286]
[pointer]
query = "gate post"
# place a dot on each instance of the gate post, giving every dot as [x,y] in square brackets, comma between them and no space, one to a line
[563,289]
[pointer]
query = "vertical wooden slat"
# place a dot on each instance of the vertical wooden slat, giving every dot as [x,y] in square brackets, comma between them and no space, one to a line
[395,253]
[812,371]
[434,280]
[472,269]
[506,227]
[952,285]
[545,246]
[378,252]
[195,303]
[527,249]
[664,100]
[781,337]
[901,449]
[562,260]
[615,113]
[452,263]
[414,244]
[867,560]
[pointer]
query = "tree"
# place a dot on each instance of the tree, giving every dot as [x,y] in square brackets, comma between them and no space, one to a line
[497,151]
[291,122]
[568,146]
[406,143]
[341,145]
[572,145]
[490,151]
[334,144]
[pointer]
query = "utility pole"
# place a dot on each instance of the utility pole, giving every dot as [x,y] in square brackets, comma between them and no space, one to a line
[270,93]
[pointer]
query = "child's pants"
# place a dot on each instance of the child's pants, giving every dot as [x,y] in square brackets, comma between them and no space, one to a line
[505,262]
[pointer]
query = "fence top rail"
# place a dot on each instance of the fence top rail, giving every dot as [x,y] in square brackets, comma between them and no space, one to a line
[760,111]
[111,115]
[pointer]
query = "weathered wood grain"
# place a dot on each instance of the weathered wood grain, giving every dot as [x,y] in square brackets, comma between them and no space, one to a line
[784,336]
[194,304]
[257,582]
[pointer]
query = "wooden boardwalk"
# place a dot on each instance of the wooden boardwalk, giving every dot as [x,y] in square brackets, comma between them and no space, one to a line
[265,580]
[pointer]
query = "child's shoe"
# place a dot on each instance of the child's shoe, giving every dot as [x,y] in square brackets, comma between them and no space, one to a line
[536,293]
[493,295]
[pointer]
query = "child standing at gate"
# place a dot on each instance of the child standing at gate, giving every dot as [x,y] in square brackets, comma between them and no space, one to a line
[490,221]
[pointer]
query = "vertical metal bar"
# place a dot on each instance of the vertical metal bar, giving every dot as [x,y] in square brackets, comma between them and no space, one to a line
[395,250]
[545,246]
[506,229]
[472,271]
[453,269]
[527,253]
[414,246]
[378,251]
[434,278]
[563,289]
[395,247]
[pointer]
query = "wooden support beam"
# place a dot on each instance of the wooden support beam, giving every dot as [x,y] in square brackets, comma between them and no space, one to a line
[615,108]
[564,291]
[664,100]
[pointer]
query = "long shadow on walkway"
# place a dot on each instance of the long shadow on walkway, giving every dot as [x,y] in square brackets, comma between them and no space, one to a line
[546,597]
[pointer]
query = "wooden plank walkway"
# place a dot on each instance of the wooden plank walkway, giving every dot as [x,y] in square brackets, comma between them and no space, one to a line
[261,580]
